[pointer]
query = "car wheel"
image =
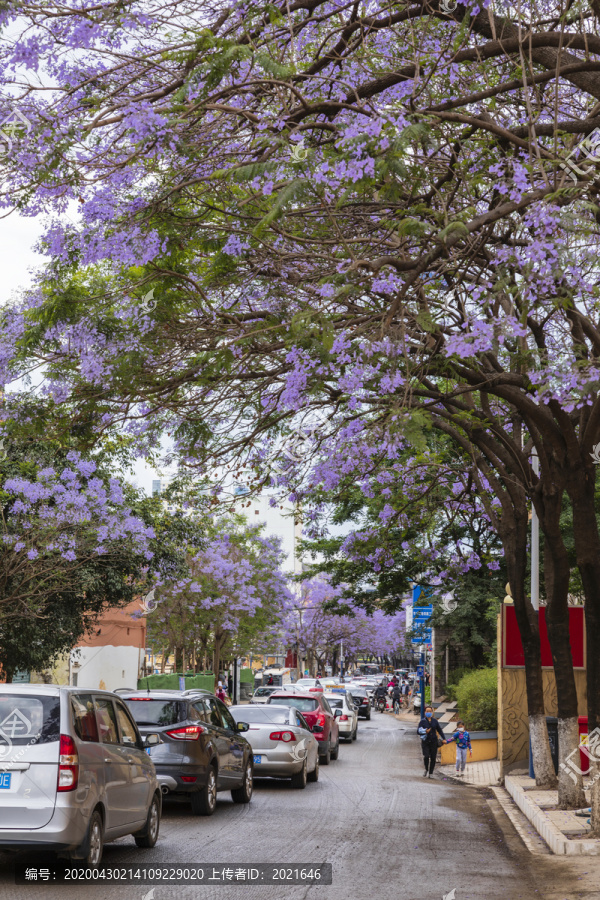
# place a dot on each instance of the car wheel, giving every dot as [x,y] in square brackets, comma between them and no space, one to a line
[94,844]
[300,778]
[355,732]
[326,757]
[368,716]
[336,750]
[314,775]
[204,801]
[149,836]
[243,794]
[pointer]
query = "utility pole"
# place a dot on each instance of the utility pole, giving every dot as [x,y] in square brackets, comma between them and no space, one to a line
[422,680]
[535,542]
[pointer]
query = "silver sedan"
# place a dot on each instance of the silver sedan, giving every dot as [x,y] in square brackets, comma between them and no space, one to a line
[282,743]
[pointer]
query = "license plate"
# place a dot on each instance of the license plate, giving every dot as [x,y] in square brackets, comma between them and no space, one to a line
[5,780]
[257,760]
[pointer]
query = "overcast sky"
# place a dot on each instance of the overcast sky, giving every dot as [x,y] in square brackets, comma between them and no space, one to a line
[18,235]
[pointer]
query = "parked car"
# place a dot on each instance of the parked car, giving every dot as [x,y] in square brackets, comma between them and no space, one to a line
[309,684]
[262,694]
[319,716]
[342,704]
[282,743]
[74,772]
[362,702]
[201,750]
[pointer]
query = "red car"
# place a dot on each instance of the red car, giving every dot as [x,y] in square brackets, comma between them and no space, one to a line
[319,718]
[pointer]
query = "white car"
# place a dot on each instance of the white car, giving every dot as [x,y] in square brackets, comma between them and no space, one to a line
[342,705]
[262,694]
[309,684]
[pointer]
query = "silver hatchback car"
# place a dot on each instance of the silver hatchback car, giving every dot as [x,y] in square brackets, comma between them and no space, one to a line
[74,772]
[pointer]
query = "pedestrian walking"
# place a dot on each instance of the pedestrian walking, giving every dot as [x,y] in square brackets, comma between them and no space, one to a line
[430,731]
[222,693]
[463,743]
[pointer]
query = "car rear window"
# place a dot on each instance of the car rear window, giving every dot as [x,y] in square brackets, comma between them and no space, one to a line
[28,719]
[155,712]
[261,714]
[304,704]
[336,702]
[263,692]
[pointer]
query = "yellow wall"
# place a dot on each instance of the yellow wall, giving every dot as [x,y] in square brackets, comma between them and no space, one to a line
[513,725]
[486,748]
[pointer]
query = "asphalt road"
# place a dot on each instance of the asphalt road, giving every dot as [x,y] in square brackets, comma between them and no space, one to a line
[389,833]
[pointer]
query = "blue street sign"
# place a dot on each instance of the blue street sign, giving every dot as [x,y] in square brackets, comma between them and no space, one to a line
[422,636]
[417,641]
[420,611]
[420,671]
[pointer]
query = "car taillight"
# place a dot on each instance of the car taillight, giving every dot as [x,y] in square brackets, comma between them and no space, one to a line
[343,718]
[68,764]
[286,736]
[321,720]
[189,779]
[315,690]
[365,701]
[187,733]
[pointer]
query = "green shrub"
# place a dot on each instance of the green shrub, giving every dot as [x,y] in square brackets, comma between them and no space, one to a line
[477,696]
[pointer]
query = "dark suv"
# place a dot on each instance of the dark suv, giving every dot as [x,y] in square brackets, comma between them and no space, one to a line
[201,750]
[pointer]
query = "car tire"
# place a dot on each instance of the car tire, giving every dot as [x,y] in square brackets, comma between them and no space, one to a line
[336,750]
[204,801]
[314,775]
[355,732]
[368,716]
[326,757]
[243,794]
[149,836]
[300,778]
[94,842]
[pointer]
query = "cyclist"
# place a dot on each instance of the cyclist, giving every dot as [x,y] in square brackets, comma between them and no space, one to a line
[396,698]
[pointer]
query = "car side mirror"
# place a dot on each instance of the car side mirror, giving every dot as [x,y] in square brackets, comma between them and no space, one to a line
[317,729]
[337,713]
[243,726]
[151,740]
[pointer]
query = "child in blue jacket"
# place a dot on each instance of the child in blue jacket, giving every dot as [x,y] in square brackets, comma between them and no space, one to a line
[463,743]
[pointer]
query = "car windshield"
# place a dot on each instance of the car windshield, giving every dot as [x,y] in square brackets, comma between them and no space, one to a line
[304,704]
[264,691]
[28,719]
[147,711]
[260,714]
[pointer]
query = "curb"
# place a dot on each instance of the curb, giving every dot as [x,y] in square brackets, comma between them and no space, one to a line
[558,843]
[534,843]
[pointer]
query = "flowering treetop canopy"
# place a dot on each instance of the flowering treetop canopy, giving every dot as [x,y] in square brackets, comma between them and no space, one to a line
[370,209]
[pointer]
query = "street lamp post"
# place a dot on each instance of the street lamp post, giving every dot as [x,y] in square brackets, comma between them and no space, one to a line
[535,543]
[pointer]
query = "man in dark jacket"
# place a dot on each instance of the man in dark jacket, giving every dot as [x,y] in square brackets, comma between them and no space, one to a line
[428,730]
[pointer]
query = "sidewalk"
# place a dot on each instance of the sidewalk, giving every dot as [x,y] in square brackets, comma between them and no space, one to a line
[483,774]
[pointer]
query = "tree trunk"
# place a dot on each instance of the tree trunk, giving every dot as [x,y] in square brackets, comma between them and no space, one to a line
[587,549]
[514,539]
[557,574]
